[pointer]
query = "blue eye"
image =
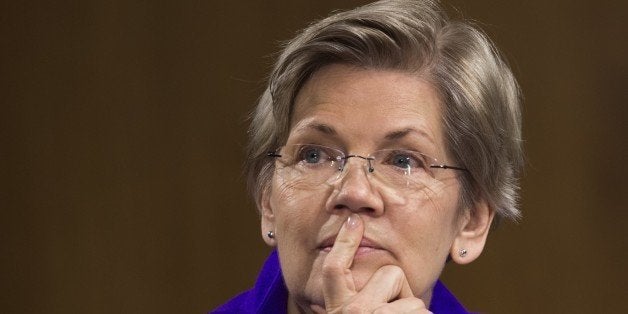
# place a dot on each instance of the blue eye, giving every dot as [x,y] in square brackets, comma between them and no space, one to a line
[401,161]
[311,155]
[405,159]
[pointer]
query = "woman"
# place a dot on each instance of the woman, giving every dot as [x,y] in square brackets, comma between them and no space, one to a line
[386,144]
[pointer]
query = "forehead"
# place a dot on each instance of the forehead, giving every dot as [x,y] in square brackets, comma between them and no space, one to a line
[367,104]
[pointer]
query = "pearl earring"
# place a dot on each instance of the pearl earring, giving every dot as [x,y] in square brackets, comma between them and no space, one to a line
[462,252]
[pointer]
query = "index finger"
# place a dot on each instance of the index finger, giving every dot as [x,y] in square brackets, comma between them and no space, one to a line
[338,283]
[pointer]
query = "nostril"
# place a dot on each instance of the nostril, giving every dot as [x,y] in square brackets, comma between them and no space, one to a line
[356,209]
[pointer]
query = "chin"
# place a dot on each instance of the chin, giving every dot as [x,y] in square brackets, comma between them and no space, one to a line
[363,271]
[365,264]
[312,295]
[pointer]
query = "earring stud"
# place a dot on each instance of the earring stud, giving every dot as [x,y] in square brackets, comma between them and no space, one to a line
[271,234]
[462,252]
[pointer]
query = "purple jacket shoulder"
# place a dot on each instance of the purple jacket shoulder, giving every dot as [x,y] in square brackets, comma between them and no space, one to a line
[270,295]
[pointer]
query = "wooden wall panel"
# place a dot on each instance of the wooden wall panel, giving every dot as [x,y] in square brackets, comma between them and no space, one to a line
[123,125]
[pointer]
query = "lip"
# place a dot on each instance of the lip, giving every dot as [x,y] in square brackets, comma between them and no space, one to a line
[366,244]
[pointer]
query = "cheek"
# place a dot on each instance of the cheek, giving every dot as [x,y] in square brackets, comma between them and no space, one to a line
[424,232]
[426,225]
[297,212]
[289,199]
[437,204]
[299,217]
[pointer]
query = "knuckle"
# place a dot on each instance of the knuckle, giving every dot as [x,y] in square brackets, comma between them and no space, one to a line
[331,269]
[392,271]
[383,310]
[407,305]
[354,308]
[418,304]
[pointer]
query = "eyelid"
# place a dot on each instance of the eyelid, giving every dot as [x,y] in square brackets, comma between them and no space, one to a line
[415,156]
[411,144]
[326,148]
[400,150]
[326,152]
[313,138]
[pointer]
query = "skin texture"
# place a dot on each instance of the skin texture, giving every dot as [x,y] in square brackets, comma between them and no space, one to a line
[390,246]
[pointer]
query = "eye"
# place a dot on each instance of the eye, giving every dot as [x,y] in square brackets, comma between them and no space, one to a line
[405,159]
[401,161]
[312,154]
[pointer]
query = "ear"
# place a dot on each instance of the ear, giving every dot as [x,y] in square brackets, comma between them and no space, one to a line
[268,217]
[474,228]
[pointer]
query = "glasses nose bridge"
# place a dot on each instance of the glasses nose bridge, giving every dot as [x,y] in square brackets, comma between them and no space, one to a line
[368,160]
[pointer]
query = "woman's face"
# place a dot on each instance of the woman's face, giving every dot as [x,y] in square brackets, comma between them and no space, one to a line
[359,111]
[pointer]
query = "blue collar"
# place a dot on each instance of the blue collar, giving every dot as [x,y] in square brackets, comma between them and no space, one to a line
[270,295]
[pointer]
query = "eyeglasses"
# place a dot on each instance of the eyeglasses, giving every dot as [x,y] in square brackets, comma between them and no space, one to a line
[317,164]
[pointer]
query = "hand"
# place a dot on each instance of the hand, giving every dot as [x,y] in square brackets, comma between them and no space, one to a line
[387,291]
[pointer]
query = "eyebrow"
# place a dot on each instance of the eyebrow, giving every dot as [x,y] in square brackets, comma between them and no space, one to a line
[390,136]
[396,135]
[323,128]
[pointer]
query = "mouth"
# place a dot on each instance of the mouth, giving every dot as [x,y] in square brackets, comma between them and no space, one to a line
[366,245]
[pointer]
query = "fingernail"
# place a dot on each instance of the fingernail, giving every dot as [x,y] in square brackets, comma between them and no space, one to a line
[353,221]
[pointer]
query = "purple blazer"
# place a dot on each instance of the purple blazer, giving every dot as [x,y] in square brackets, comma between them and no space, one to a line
[271,296]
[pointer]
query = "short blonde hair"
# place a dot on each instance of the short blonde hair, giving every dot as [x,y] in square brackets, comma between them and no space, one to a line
[480,96]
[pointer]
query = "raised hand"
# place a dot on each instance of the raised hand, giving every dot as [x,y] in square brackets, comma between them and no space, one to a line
[387,291]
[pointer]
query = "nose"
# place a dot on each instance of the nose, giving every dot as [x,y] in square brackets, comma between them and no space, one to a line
[354,191]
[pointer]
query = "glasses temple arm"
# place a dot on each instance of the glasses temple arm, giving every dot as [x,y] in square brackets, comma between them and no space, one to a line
[449,167]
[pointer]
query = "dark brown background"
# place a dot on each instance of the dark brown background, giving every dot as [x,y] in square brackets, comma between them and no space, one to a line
[122,132]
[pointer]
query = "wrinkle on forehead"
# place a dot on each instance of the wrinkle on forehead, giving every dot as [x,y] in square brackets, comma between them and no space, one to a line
[349,100]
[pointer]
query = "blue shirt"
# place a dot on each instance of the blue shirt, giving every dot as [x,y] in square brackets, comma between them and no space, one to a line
[270,295]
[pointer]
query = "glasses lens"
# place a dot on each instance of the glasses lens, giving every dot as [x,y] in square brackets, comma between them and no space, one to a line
[401,168]
[309,163]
